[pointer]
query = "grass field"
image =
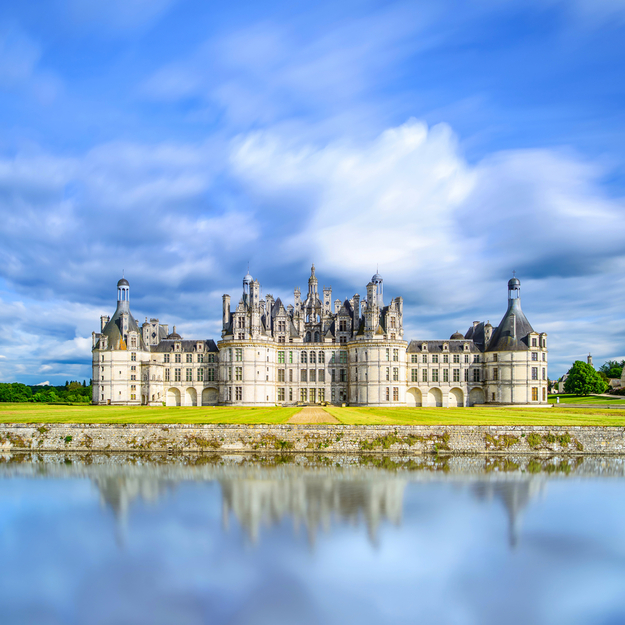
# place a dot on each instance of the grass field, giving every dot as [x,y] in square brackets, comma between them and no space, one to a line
[42,413]
[588,400]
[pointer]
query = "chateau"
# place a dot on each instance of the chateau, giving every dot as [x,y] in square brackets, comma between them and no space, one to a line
[315,350]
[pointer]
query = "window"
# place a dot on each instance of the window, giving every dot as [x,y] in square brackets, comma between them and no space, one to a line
[281,326]
[342,325]
[229,374]
[322,357]
[304,375]
[414,358]
[238,373]
[290,358]
[281,358]
[303,394]
[333,375]
[356,356]
[333,358]
[343,375]
[388,394]
[466,375]
[200,375]
[395,355]
[133,377]
[456,373]
[534,393]
[322,394]
[544,373]
[312,375]
[424,375]
[177,373]
[133,387]
[238,354]
[544,357]
[534,356]
[388,354]
[456,359]
[133,357]
[333,395]
[313,358]
[476,358]
[434,375]
[280,375]
[166,375]
[304,358]
[435,358]
[544,394]
[230,359]
[133,341]
[424,358]
[200,357]
[476,375]
[534,373]
[445,375]
[414,375]
[177,358]
[189,357]
[388,373]
[211,357]
[466,358]
[238,393]
[133,367]
[280,394]
[189,375]
[395,393]
[210,374]
[313,395]
[495,373]
[495,357]
[133,396]
[445,357]
[395,374]
[535,344]
[343,357]
[321,375]
[290,394]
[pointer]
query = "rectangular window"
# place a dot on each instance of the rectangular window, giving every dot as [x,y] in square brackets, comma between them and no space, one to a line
[290,394]
[133,377]
[322,357]
[456,359]
[189,375]
[343,357]
[445,357]
[290,358]
[303,394]
[211,357]
[495,358]
[133,341]
[281,358]
[445,375]
[388,354]
[466,358]
[200,357]
[343,374]
[322,394]
[435,358]
[424,358]
[210,374]
[395,393]
[495,373]
[229,393]
[395,355]
[476,358]
[544,357]
[133,368]
[534,373]
[414,358]
[313,395]
[424,375]
[414,375]
[238,374]
[166,358]
[166,375]
[534,393]
[434,375]
[313,358]
[388,394]
[238,354]
[534,356]
[280,375]
[189,357]
[177,358]
[395,374]
[200,375]
[312,375]
[229,374]
[466,375]
[304,358]
[238,393]
[333,374]
[456,373]
[476,375]
[544,373]
[280,394]
[388,374]
[321,375]
[544,394]
[177,373]
[535,344]
[133,357]
[304,375]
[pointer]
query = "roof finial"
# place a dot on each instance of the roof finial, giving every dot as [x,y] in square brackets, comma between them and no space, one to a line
[514,273]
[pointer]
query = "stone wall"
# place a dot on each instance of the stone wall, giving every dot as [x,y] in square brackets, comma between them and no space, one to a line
[312,438]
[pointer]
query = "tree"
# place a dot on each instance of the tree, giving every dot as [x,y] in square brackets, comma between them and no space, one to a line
[583,380]
[612,368]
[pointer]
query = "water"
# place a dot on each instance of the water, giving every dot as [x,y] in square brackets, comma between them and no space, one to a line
[121,539]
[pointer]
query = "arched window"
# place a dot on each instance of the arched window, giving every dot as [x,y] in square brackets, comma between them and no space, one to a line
[316,337]
[307,317]
[307,339]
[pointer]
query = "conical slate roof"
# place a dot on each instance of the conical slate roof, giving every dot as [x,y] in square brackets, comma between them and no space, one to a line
[511,334]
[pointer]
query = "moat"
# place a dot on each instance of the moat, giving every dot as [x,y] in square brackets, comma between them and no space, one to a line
[197,538]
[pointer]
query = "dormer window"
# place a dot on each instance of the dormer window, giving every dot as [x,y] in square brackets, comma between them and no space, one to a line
[466,347]
[200,347]
[445,347]
[177,347]
[424,347]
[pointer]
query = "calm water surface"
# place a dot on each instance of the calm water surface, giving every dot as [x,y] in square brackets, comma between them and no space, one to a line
[127,539]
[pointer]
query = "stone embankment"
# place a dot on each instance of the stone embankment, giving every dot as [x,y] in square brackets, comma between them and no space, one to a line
[306,438]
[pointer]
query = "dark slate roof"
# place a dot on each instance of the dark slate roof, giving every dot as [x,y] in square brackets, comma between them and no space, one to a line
[187,345]
[436,347]
[113,330]
[275,309]
[504,337]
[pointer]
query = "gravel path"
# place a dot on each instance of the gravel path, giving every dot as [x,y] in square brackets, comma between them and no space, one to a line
[312,414]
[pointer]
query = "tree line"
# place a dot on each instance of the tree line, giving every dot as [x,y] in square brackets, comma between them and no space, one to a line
[73,392]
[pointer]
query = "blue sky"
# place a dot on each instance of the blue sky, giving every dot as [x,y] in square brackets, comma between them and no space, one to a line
[449,142]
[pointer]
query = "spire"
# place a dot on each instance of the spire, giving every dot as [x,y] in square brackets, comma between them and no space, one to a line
[123,295]
[312,283]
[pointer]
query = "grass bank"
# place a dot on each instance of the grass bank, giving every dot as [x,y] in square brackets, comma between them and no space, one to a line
[587,400]
[41,413]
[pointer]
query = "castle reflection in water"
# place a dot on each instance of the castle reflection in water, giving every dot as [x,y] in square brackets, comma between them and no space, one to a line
[315,501]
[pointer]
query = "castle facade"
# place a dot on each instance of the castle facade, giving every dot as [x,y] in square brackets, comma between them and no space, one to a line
[314,351]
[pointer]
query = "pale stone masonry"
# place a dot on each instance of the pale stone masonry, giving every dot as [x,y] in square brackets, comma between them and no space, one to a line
[314,351]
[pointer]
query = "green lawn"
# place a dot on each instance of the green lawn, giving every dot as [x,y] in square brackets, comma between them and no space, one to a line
[42,413]
[586,399]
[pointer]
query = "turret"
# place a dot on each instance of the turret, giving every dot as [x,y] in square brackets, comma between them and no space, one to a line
[378,283]
[312,284]
[123,295]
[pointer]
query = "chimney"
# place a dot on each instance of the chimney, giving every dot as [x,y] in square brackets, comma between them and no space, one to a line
[226,311]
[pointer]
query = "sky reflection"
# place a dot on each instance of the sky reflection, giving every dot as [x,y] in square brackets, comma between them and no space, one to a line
[112,542]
